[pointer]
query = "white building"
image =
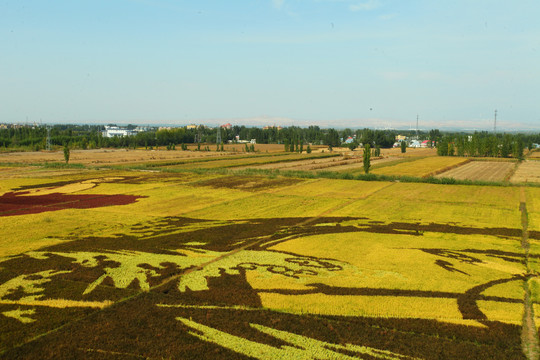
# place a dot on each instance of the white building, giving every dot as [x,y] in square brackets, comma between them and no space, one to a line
[112,131]
[415,144]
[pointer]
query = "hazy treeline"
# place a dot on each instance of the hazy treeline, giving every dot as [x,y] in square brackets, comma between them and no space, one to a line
[90,137]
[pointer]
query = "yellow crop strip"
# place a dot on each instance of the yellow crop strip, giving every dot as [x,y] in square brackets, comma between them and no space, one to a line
[301,347]
[334,188]
[267,206]
[478,206]
[373,306]
[533,207]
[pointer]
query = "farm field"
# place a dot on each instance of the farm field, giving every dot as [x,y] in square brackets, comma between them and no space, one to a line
[104,156]
[422,167]
[121,156]
[138,264]
[240,162]
[527,172]
[481,170]
[323,163]
[534,154]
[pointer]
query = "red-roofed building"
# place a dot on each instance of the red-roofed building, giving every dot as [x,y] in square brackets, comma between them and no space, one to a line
[427,143]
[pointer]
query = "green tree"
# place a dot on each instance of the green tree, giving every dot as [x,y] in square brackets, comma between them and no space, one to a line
[403,147]
[66,153]
[506,145]
[460,144]
[451,149]
[518,148]
[367,158]
[308,149]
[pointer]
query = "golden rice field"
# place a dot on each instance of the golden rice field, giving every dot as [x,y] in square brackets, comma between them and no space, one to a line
[534,154]
[423,167]
[481,170]
[149,264]
[527,172]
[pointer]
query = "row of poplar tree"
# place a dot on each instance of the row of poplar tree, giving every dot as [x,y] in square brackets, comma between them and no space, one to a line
[484,145]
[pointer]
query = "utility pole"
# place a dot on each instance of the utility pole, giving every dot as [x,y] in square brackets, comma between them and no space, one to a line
[495,123]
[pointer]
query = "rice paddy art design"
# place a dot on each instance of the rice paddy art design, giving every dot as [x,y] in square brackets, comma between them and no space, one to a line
[197,275]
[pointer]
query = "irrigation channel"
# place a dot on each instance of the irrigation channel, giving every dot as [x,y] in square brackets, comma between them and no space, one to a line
[529,333]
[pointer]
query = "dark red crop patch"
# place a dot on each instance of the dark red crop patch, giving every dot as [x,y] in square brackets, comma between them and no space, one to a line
[20,203]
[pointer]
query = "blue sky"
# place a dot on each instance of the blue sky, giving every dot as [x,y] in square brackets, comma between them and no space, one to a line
[375,63]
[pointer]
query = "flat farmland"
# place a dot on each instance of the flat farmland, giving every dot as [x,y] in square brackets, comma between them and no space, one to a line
[528,171]
[534,154]
[138,264]
[422,167]
[326,163]
[250,160]
[481,170]
[349,161]
[104,156]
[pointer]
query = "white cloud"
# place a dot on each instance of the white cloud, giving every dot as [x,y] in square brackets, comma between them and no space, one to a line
[365,6]
[278,4]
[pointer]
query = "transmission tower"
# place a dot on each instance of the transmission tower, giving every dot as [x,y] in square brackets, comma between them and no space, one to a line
[417,127]
[218,137]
